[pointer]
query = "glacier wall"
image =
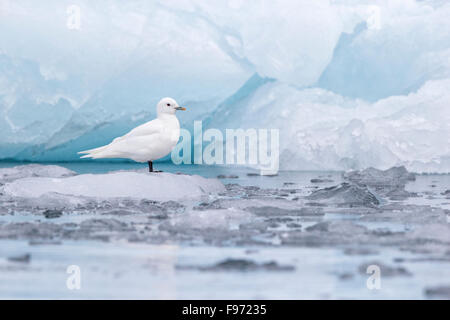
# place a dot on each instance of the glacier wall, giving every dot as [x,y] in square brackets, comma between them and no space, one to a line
[349,83]
[321,130]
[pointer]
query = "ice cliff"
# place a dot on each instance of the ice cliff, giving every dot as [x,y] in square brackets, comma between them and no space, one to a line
[351,84]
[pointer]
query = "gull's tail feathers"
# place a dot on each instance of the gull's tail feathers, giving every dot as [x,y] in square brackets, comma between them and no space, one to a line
[91,153]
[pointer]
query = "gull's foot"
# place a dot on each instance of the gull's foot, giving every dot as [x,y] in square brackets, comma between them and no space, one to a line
[156,171]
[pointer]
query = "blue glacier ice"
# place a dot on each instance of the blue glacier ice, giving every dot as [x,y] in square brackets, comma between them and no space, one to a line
[349,84]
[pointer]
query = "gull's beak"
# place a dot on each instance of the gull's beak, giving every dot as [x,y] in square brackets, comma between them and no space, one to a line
[180,108]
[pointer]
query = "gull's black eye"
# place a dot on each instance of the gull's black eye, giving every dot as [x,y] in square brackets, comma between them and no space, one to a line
[168,104]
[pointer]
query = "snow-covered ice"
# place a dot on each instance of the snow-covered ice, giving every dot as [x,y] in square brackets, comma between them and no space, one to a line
[139,185]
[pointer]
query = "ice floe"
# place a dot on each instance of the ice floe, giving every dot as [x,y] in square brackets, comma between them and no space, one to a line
[33,170]
[140,185]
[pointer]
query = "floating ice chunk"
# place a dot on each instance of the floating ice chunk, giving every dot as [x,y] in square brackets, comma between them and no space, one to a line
[318,180]
[34,170]
[228,219]
[329,233]
[52,214]
[346,194]
[338,227]
[242,265]
[433,231]
[358,251]
[373,177]
[30,230]
[160,187]
[442,292]
[390,183]
[25,258]
[92,225]
[53,201]
[267,211]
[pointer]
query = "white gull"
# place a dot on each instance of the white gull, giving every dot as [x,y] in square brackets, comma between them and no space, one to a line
[147,142]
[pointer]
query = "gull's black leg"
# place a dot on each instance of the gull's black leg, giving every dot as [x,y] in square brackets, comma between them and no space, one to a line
[150,166]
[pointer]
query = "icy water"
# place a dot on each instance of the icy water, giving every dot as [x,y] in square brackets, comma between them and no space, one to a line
[263,238]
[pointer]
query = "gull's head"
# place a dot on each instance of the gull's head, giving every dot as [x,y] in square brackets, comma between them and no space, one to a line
[167,106]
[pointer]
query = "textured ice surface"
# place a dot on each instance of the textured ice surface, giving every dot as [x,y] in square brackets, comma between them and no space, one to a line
[244,242]
[33,170]
[346,194]
[389,182]
[410,130]
[138,185]
[393,177]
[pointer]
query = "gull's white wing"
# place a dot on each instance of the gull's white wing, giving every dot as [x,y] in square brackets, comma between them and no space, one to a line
[148,128]
[132,144]
[140,148]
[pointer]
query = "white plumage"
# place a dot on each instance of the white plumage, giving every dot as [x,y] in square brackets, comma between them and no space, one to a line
[147,142]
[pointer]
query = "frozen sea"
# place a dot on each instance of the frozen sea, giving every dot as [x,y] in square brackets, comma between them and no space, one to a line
[297,235]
